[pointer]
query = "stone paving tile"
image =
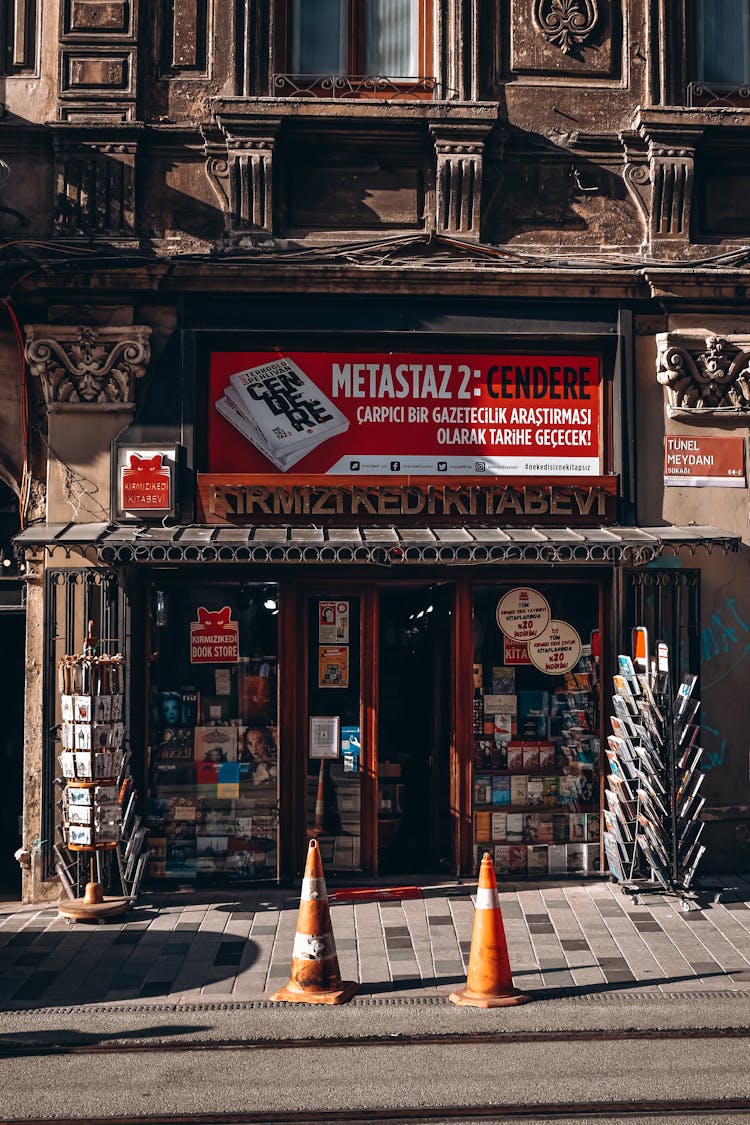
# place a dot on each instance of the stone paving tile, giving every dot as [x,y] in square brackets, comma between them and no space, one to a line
[576,935]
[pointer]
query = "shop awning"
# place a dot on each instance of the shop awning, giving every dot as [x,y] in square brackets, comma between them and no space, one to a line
[381,546]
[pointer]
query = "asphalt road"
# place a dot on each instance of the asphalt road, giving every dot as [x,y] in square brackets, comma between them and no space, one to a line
[363,1077]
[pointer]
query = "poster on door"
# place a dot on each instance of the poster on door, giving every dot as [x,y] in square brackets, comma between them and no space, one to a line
[333,622]
[333,666]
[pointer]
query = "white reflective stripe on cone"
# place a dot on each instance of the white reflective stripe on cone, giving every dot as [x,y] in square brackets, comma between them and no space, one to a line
[313,947]
[313,890]
[487,898]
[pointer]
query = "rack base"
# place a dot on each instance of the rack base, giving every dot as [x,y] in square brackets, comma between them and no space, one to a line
[95,906]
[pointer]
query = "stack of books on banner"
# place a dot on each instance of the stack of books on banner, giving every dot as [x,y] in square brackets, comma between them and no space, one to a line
[652,820]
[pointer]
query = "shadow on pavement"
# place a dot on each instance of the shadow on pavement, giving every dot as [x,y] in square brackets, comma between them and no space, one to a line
[86,965]
[13,1044]
[571,991]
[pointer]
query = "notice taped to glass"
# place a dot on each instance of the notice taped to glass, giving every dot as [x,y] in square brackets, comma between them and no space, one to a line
[558,649]
[333,666]
[523,614]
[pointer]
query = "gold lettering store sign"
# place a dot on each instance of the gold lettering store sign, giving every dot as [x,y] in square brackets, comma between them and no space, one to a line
[241,501]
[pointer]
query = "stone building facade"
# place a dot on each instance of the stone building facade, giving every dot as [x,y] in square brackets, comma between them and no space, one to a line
[546,178]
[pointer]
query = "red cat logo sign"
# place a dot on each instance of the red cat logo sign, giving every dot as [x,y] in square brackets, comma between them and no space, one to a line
[214,637]
[145,484]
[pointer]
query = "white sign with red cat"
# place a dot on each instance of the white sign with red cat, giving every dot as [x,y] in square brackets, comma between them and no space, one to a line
[214,637]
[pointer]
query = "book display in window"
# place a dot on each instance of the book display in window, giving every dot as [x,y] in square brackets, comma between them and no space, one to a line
[98,800]
[213,744]
[536,747]
[653,828]
[212,795]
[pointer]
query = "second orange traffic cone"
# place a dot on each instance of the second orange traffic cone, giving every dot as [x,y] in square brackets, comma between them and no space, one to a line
[489,983]
[315,977]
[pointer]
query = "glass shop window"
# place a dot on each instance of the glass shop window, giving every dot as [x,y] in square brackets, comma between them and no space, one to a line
[536,729]
[723,42]
[213,753]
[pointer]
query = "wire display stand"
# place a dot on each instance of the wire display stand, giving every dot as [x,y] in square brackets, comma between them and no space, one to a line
[653,828]
[102,838]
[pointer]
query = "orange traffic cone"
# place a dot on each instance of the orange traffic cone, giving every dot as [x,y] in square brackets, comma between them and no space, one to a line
[489,983]
[315,975]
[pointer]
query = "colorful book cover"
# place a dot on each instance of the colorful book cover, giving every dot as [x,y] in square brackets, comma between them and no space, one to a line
[545,831]
[500,790]
[577,828]
[557,859]
[546,755]
[531,828]
[517,859]
[503,680]
[514,828]
[281,411]
[515,756]
[502,859]
[530,758]
[593,827]
[535,791]
[499,826]
[482,826]
[551,790]
[576,859]
[518,790]
[215,744]
[560,828]
[482,789]
[537,860]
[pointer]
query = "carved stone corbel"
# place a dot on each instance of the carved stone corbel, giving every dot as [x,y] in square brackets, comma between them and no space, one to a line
[87,366]
[459,150]
[637,177]
[704,374]
[671,142]
[242,173]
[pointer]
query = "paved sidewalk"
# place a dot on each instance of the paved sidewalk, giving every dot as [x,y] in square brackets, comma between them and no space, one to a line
[565,939]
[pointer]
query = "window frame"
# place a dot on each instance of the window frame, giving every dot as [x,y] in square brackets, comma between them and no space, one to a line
[702,93]
[422,85]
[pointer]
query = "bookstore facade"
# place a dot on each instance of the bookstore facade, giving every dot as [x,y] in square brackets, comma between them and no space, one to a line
[371,594]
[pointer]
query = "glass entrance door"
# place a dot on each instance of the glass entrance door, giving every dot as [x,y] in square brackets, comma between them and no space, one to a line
[379,729]
[414,724]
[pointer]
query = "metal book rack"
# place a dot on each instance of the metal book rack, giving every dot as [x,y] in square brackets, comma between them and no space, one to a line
[653,829]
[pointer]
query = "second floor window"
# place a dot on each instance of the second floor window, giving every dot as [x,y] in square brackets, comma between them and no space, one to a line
[360,37]
[723,42]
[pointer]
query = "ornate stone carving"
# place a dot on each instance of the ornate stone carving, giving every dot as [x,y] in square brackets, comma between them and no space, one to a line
[460,154]
[241,173]
[668,142]
[704,374]
[86,365]
[567,24]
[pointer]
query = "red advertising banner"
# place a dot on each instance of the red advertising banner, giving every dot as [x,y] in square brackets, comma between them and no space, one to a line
[404,414]
[145,484]
[699,461]
[214,637]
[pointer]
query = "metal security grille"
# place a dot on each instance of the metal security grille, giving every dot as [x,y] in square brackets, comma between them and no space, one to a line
[667,602]
[79,603]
